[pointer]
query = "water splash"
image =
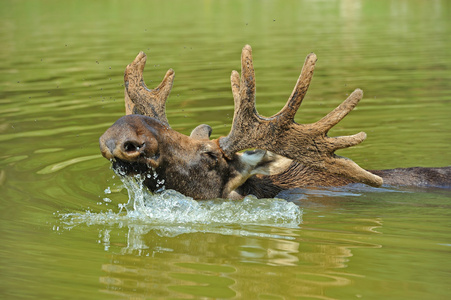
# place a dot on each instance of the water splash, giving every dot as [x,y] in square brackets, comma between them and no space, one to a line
[171,213]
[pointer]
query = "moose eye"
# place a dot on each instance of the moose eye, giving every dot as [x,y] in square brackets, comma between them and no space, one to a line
[211,155]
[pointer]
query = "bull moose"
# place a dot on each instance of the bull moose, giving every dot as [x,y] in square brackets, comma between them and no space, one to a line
[288,155]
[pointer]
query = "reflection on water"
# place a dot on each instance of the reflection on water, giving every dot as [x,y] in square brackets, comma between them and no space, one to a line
[173,267]
[307,265]
[264,232]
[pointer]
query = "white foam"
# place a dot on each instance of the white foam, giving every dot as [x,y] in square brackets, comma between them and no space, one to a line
[172,213]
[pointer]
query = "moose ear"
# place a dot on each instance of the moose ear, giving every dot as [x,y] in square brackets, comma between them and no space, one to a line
[201,132]
[265,162]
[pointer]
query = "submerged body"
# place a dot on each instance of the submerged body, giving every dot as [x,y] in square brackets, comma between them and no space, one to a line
[297,176]
[417,177]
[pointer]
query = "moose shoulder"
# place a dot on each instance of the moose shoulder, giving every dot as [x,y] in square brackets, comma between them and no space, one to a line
[288,155]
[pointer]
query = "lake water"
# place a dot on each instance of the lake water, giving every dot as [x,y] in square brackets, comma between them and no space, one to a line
[64,228]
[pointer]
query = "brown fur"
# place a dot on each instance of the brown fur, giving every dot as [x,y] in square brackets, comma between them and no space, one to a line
[417,176]
[144,143]
[181,162]
[197,167]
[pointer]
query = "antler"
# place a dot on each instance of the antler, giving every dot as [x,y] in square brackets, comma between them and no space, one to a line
[141,100]
[305,143]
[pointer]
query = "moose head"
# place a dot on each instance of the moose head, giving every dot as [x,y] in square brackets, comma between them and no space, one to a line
[288,154]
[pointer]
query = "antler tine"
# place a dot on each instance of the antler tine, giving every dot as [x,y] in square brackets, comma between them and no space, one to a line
[346,167]
[294,102]
[305,143]
[244,89]
[141,100]
[342,142]
[245,114]
[338,114]
[245,117]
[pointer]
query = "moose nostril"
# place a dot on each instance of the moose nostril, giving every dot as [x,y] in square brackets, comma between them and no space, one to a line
[132,146]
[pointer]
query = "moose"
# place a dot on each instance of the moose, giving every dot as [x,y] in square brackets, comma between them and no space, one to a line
[261,155]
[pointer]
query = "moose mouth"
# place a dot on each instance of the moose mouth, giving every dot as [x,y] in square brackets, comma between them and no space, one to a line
[127,168]
[148,175]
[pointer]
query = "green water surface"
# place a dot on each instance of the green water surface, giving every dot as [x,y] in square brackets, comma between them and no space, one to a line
[61,87]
